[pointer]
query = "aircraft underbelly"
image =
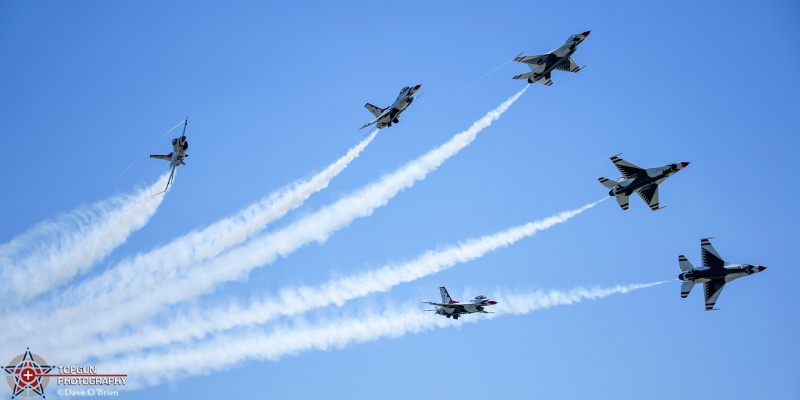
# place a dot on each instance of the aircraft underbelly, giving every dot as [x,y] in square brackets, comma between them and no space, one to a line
[562,52]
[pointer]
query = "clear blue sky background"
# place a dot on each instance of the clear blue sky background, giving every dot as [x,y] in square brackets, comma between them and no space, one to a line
[275,92]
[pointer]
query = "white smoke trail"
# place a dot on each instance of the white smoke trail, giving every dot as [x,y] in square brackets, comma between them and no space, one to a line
[168,262]
[227,351]
[53,252]
[296,300]
[144,290]
[264,250]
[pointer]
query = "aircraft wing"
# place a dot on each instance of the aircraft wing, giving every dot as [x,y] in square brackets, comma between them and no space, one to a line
[535,60]
[711,258]
[568,66]
[367,124]
[625,168]
[712,290]
[167,157]
[650,196]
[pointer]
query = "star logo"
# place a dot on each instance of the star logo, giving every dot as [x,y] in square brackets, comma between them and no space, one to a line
[25,375]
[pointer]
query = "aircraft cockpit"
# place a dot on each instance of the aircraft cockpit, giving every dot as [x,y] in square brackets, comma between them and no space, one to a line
[481,297]
[405,89]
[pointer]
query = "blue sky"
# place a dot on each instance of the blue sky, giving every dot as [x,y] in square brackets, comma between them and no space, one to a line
[275,94]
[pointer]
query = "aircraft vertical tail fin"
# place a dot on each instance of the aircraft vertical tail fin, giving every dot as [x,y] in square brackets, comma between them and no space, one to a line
[375,110]
[446,299]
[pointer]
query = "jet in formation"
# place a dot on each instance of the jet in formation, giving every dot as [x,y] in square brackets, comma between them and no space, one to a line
[639,180]
[452,308]
[387,116]
[561,59]
[179,146]
[714,274]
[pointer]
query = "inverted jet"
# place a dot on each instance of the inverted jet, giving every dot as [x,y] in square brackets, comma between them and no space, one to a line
[179,147]
[714,274]
[559,59]
[641,181]
[452,308]
[387,116]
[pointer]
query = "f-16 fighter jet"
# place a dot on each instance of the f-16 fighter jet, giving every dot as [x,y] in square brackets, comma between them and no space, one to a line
[452,308]
[543,64]
[179,146]
[714,274]
[387,116]
[638,180]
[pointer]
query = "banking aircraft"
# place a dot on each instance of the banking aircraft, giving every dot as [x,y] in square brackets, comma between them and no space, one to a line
[641,181]
[387,116]
[179,146]
[543,64]
[714,274]
[452,308]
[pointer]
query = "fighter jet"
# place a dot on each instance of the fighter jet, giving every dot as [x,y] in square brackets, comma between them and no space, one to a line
[714,274]
[452,308]
[638,180]
[179,146]
[543,64]
[387,116]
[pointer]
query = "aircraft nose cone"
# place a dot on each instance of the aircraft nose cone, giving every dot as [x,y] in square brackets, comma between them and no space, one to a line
[585,34]
[761,268]
[685,163]
[492,302]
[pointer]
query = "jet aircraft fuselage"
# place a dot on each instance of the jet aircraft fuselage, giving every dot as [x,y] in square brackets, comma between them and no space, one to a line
[646,180]
[728,272]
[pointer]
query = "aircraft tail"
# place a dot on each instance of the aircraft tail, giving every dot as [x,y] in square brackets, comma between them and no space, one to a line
[623,201]
[375,110]
[684,263]
[686,266]
[686,287]
[609,183]
[524,76]
[446,299]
